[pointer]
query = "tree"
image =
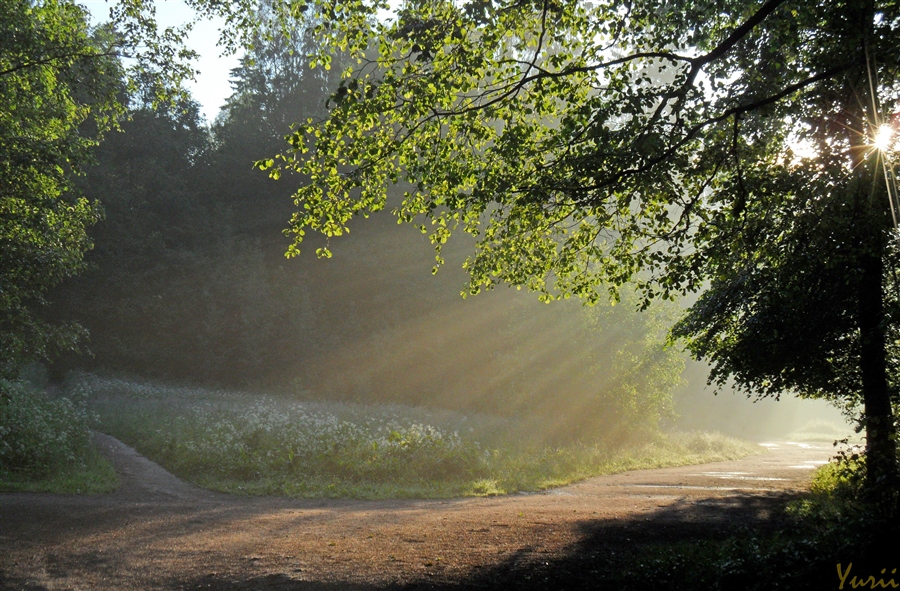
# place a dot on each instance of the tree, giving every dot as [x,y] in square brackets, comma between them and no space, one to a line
[591,144]
[195,298]
[273,83]
[272,87]
[59,87]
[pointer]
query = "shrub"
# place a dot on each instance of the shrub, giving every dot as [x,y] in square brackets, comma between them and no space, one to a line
[39,434]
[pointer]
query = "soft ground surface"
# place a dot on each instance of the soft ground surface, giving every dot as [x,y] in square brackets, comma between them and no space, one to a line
[157,532]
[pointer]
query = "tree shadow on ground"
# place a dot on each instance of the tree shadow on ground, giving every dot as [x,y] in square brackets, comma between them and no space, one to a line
[636,553]
[9,583]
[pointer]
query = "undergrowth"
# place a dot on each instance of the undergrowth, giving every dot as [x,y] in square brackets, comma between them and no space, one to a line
[45,443]
[253,444]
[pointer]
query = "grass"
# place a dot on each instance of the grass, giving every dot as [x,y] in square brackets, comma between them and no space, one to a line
[91,475]
[263,445]
[824,430]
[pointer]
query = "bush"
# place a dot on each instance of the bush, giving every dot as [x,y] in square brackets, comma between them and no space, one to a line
[37,434]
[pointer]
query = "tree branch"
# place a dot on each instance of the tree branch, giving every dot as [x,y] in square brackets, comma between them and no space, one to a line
[51,59]
[734,111]
[739,33]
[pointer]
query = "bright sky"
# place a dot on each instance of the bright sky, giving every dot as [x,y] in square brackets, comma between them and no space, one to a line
[211,87]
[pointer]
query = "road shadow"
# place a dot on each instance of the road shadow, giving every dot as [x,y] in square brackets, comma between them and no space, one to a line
[622,554]
[10,582]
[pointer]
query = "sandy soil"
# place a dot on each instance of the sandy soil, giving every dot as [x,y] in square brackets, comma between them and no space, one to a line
[157,532]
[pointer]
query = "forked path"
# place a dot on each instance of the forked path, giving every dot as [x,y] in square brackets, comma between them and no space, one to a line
[157,532]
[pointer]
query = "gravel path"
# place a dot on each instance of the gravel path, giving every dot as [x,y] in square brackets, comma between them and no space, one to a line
[157,532]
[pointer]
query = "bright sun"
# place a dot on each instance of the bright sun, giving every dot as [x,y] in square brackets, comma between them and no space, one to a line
[884,138]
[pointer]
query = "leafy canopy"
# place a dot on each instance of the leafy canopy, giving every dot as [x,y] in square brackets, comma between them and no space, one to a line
[580,141]
[590,144]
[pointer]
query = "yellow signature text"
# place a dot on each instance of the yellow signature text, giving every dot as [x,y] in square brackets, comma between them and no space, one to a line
[869,582]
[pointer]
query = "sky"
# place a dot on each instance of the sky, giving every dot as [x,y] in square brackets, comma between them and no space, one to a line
[211,87]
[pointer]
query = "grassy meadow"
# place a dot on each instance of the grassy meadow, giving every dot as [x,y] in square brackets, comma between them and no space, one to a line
[256,444]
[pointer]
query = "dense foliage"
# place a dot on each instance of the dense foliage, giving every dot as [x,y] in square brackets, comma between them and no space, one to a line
[59,87]
[39,435]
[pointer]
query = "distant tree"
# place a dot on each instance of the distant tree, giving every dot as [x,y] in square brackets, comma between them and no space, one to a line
[591,144]
[62,87]
[272,87]
[169,283]
[192,299]
[602,372]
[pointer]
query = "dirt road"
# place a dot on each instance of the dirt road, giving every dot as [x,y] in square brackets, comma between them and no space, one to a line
[157,532]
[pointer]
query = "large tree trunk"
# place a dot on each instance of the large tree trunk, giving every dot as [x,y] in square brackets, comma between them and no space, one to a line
[881,453]
[862,108]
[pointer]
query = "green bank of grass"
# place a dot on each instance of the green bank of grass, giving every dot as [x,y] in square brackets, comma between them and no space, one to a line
[253,444]
[92,474]
[520,467]
[45,444]
[825,431]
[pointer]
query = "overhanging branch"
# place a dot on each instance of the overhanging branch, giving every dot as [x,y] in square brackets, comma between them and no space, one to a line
[48,60]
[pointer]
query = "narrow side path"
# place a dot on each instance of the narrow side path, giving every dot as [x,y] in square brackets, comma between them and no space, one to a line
[142,479]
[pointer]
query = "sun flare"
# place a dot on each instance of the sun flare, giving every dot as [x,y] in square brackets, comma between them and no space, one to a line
[884,138]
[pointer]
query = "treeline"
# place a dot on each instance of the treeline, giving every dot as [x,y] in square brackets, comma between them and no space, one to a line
[187,282]
[179,285]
